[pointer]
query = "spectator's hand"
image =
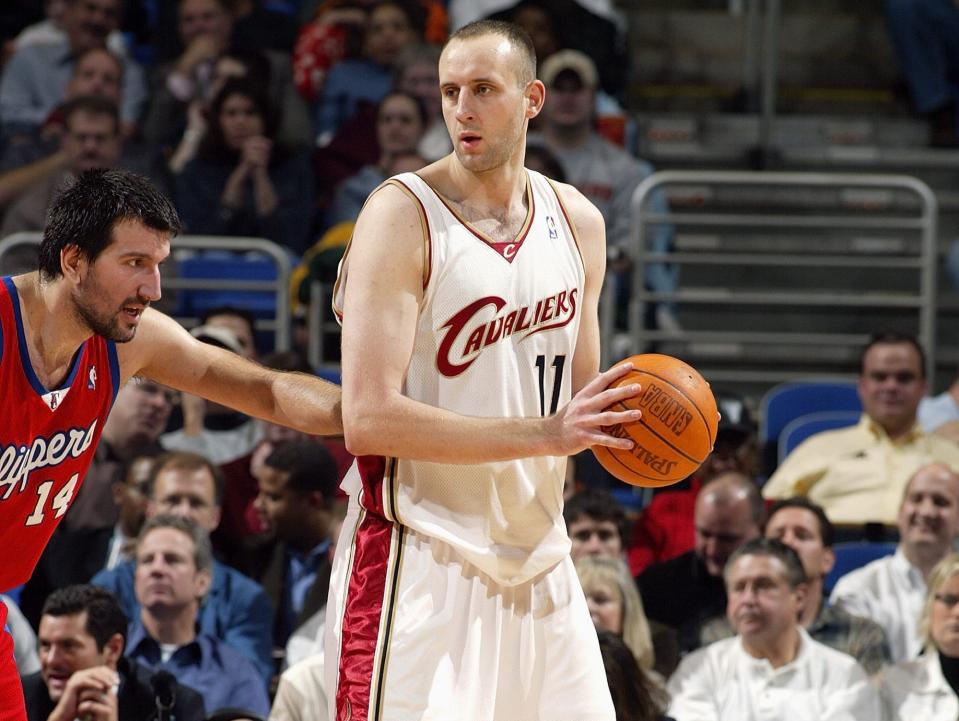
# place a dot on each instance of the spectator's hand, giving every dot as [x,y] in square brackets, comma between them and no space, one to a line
[196,119]
[90,694]
[256,152]
[202,48]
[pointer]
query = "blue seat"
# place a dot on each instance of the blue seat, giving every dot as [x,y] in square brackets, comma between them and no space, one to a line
[226,266]
[788,401]
[798,430]
[853,555]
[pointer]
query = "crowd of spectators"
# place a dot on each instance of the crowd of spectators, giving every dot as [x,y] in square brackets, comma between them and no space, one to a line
[201,540]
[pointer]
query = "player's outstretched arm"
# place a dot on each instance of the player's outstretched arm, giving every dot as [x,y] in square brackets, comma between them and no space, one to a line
[163,351]
[384,274]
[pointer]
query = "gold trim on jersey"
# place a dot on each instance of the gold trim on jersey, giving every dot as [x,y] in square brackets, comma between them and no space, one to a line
[427,251]
[387,619]
[520,234]
[424,224]
[569,221]
[390,490]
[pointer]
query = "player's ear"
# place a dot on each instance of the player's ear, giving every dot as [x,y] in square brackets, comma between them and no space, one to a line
[71,261]
[536,96]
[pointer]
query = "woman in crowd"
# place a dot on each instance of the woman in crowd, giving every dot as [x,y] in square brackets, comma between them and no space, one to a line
[926,687]
[615,606]
[635,696]
[241,181]
[400,121]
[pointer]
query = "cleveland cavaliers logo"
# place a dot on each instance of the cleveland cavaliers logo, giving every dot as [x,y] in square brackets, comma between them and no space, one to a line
[487,321]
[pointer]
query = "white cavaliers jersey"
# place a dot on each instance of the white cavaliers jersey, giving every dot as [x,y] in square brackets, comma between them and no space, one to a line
[495,337]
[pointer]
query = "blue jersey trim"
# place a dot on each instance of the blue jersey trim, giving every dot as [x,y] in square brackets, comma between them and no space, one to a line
[4,280]
[114,369]
[24,353]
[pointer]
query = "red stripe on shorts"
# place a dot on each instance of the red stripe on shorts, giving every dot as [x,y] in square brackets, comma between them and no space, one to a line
[372,472]
[362,614]
[11,694]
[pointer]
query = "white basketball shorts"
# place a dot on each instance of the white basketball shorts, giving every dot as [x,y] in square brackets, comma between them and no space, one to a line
[416,633]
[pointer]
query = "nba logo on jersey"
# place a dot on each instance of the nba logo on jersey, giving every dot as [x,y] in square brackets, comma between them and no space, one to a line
[92,379]
[54,400]
[551,224]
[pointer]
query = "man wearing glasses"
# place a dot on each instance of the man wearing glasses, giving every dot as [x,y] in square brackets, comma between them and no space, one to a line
[858,474]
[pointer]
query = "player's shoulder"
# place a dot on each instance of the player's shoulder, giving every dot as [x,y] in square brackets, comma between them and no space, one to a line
[581,210]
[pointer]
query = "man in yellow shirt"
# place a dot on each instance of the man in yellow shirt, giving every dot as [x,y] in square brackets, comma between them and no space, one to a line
[859,474]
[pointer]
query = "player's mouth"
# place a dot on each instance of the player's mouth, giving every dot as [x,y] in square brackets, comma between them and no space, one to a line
[469,140]
[133,312]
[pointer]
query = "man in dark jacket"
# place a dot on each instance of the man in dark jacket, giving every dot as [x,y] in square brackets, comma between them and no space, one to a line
[82,670]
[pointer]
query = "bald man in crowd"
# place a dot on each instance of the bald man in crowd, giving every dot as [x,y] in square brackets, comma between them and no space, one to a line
[686,591]
[892,590]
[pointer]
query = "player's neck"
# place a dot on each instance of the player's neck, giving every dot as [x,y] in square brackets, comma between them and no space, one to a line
[501,188]
[50,327]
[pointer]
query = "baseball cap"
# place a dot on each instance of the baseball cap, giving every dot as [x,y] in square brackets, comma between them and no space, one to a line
[572,60]
[218,336]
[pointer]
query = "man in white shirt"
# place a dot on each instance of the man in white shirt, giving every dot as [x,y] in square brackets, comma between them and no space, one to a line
[772,670]
[892,590]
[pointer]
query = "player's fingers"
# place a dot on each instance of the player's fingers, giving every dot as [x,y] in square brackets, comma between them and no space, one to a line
[597,438]
[607,377]
[610,418]
[611,396]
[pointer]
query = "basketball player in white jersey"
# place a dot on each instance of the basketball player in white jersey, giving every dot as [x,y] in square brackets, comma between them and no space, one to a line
[468,298]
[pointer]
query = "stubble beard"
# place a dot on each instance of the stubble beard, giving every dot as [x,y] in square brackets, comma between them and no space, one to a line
[100,324]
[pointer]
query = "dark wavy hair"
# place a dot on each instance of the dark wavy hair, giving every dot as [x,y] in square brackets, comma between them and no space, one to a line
[213,148]
[105,617]
[85,213]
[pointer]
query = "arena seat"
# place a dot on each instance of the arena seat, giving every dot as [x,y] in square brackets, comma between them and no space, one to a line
[799,429]
[853,555]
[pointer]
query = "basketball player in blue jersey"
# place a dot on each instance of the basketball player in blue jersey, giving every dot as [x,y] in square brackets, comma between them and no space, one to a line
[468,299]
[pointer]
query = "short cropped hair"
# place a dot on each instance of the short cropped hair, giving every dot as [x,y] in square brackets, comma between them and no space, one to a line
[310,465]
[105,616]
[520,40]
[86,212]
[92,105]
[893,338]
[186,461]
[599,506]
[202,548]
[772,548]
[827,531]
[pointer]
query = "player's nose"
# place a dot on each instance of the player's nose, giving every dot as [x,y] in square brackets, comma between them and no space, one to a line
[150,287]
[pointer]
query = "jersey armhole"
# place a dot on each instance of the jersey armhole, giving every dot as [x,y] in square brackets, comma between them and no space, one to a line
[569,221]
[424,225]
[427,246]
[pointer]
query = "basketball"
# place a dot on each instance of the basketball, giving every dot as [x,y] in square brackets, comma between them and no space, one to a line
[678,427]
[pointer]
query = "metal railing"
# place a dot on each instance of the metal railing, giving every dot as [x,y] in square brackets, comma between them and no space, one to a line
[838,225]
[279,288]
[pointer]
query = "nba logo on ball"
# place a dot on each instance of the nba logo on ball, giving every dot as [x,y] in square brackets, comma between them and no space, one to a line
[677,429]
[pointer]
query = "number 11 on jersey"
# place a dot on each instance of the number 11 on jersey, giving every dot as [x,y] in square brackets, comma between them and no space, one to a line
[558,364]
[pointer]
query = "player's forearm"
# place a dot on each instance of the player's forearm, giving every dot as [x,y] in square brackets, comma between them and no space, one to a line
[308,404]
[405,428]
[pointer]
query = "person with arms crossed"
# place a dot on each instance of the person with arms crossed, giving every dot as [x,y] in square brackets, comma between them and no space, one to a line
[72,333]
[469,306]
